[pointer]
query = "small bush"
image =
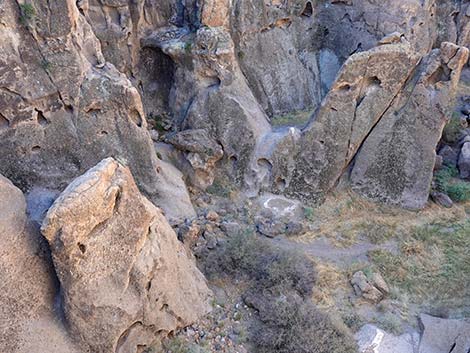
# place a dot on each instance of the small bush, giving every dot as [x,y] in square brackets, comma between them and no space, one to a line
[270,268]
[280,288]
[453,129]
[309,213]
[447,182]
[292,325]
[459,192]
[179,345]
[27,13]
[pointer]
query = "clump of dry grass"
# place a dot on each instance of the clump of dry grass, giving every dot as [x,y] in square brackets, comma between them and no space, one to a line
[346,219]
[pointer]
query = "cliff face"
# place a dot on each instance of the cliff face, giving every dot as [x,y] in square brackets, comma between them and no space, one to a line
[191,92]
[80,81]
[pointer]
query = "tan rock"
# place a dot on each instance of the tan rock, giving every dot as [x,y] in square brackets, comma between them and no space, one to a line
[27,283]
[365,288]
[125,277]
[61,114]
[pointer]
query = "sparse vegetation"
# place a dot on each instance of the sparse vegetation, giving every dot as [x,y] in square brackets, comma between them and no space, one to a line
[179,345]
[295,118]
[293,325]
[46,64]
[447,182]
[309,213]
[28,13]
[188,46]
[433,264]
[452,131]
[280,284]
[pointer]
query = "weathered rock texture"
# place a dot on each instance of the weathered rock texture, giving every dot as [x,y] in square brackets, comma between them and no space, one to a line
[63,109]
[396,161]
[442,335]
[28,285]
[125,278]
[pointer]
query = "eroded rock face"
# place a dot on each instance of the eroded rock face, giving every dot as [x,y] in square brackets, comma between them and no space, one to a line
[63,109]
[362,92]
[396,161]
[125,278]
[28,284]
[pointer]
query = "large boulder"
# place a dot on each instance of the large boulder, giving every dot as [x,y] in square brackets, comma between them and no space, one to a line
[444,335]
[396,161]
[28,286]
[318,155]
[125,278]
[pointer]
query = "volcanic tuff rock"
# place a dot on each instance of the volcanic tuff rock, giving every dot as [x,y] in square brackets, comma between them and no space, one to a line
[364,89]
[28,285]
[125,278]
[442,335]
[396,161]
[63,109]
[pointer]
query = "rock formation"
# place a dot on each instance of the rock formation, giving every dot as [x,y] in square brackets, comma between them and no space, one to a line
[63,109]
[118,278]
[139,99]
[29,317]
[396,162]
[124,276]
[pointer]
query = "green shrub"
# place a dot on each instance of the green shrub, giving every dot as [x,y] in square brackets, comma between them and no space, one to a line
[309,213]
[452,130]
[459,191]
[268,267]
[447,182]
[27,13]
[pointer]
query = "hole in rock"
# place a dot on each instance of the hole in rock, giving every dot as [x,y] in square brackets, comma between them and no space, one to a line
[308,10]
[264,163]
[438,76]
[35,149]
[369,85]
[82,247]
[281,183]
[344,87]
[41,119]
[233,162]
[136,118]
[103,133]
[452,348]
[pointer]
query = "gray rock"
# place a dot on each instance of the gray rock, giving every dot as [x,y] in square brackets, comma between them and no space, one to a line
[366,288]
[442,199]
[231,228]
[449,156]
[371,339]
[464,161]
[396,162]
[444,335]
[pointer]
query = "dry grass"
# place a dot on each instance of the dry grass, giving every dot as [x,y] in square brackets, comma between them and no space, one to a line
[296,118]
[330,280]
[346,219]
